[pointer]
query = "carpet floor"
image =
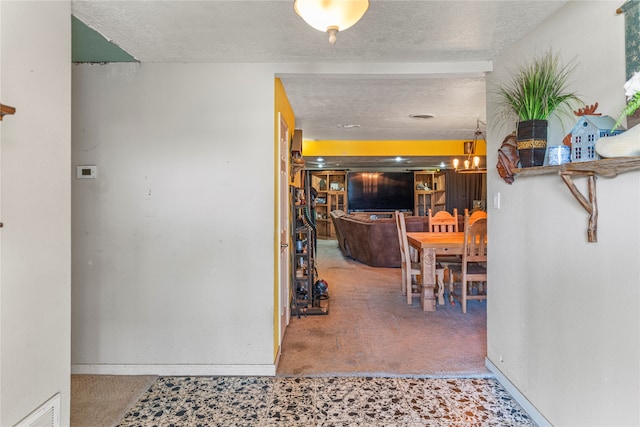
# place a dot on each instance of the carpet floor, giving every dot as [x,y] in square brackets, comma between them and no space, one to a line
[103,400]
[371,330]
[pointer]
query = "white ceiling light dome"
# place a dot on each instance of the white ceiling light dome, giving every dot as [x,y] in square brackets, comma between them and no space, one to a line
[331,15]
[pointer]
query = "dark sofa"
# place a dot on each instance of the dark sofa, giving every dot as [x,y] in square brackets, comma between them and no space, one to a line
[372,241]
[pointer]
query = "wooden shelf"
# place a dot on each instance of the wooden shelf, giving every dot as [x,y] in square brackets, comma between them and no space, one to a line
[608,168]
[424,199]
[428,191]
[326,182]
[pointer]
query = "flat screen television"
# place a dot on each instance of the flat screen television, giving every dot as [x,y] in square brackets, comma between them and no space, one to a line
[380,191]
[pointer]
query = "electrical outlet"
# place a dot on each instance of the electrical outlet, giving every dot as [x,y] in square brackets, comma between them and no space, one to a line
[496,200]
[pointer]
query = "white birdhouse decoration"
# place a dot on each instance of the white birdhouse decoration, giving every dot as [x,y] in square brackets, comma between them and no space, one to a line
[586,133]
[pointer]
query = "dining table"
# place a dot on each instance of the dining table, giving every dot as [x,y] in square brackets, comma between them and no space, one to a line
[430,245]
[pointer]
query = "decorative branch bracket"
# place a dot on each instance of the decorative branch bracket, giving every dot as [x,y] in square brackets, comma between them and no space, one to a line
[591,205]
[6,109]
[608,168]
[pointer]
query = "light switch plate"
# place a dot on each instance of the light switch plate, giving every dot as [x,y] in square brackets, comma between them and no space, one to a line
[86,171]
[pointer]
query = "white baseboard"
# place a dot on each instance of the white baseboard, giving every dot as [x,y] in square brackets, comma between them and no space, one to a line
[177,370]
[535,415]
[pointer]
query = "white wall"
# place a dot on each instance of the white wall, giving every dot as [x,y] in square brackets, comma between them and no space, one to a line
[563,317]
[173,242]
[35,278]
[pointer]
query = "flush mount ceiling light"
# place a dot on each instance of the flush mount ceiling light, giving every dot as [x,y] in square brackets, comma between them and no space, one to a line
[331,15]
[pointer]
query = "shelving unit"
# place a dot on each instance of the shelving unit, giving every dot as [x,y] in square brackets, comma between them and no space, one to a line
[304,300]
[332,195]
[303,263]
[429,192]
[608,168]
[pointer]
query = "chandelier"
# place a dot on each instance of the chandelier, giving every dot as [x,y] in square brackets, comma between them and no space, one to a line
[331,15]
[472,162]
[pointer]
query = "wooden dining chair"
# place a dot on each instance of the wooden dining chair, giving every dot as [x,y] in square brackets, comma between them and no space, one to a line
[473,269]
[475,215]
[443,221]
[410,268]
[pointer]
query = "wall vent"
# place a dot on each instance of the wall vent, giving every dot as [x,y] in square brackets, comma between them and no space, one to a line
[47,415]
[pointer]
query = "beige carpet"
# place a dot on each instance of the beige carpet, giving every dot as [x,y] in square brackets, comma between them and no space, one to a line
[370,329]
[102,400]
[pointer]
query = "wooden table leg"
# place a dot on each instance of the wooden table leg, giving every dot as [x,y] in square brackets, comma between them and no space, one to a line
[440,285]
[428,273]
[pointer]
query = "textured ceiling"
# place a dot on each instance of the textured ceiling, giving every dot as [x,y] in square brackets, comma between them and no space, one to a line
[270,31]
[370,107]
[414,57]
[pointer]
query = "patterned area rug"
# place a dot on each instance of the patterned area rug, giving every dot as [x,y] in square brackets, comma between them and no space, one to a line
[304,402]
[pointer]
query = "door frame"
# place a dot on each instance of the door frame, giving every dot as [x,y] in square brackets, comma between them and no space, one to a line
[284,259]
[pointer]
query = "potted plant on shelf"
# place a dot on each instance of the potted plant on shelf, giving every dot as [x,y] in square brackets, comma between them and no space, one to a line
[534,92]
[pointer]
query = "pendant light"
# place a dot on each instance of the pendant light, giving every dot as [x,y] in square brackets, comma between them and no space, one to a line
[331,15]
[472,162]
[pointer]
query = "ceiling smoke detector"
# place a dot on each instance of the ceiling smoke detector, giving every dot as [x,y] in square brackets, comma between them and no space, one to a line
[421,116]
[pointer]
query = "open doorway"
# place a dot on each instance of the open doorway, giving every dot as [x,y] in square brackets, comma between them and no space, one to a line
[370,328]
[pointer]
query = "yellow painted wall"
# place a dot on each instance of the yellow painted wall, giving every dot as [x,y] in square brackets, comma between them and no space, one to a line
[387,148]
[283,107]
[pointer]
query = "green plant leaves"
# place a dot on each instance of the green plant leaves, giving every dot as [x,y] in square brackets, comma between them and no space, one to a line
[629,109]
[539,88]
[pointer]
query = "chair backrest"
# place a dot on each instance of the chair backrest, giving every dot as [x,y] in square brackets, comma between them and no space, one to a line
[475,215]
[475,242]
[443,221]
[402,238]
